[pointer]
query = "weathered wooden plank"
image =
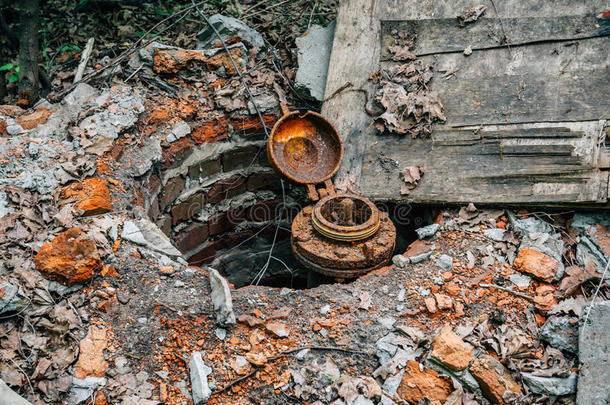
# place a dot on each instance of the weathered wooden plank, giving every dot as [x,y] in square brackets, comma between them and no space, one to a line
[500,171]
[446,35]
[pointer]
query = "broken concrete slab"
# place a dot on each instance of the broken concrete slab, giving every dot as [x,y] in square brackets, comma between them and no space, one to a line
[313,53]
[145,233]
[199,373]
[561,332]
[221,298]
[593,349]
[555,386]
[227,27]
[10,397]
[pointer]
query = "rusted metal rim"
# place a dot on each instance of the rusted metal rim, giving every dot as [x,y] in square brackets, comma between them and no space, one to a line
[315,153]
[336,273]
[345,233]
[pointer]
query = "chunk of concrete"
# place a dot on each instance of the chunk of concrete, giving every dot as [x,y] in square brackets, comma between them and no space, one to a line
[145,233]
[313,54]
[427,231]
[199,372]
[561,332]
[228,27]
[555,386]
[221,298]
[593,353]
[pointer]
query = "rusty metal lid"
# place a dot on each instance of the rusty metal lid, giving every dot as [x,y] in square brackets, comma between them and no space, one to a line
[304,148]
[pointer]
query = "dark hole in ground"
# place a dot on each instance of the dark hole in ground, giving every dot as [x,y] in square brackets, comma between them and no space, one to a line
[248,261]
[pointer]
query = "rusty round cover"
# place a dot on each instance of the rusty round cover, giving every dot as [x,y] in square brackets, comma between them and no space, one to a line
[305,149]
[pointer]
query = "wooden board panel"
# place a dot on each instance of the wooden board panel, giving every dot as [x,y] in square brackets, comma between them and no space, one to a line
[496,164]
[480,166]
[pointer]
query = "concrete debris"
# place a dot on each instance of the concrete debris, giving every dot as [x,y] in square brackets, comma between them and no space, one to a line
[145,157]
[561,332]
[400,261]
[593,344]
[199,373]
[10,299]
[228,27]
[427,231]
[495,234]
[83,389]
[554,386]
[313,53]
[10,397]
[444,262]
[178,131]
[221,298]
[145,233]
[520,280]
[4,209]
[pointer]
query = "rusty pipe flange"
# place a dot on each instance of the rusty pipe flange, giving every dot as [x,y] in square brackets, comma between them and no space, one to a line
[335,273]
[345,217]
[338,258]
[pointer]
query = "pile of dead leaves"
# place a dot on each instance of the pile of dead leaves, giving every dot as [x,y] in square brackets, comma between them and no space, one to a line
[409,107]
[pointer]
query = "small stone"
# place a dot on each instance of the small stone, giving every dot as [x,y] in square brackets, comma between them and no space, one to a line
[69,259]
[554,386]
[561,332]
[495,234]
[220,333]
[444,262]
[278,329]
[199,373]
[401,295]
[324,310]
[167,270]
[430,304]
[520,280]
[417,385]
[178,284]
[387,322]
[390,385]
[468,51]
[142,320]
[450,350]
[301,354]
[221,298]
[179,130]
[443,302]
[427,231]
[537,264]
[258,359]
[240,365]
[400,261]
[493,378]
[228,27]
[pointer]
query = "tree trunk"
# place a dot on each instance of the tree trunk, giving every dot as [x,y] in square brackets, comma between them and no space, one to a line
[29,54]
[2,81]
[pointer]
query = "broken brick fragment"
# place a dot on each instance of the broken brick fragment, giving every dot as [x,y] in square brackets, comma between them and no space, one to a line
[91,196]
[493,378]
[69,259]
[3,126]
[211,131]
[170,61]
[175,154]
[251,124]
[539,265]
[417,385]
[33,119]
[450,350]
[91,360]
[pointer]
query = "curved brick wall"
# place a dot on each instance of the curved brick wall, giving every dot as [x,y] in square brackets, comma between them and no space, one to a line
[213,188]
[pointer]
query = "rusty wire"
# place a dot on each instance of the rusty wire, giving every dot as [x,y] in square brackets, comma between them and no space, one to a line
[263,270]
